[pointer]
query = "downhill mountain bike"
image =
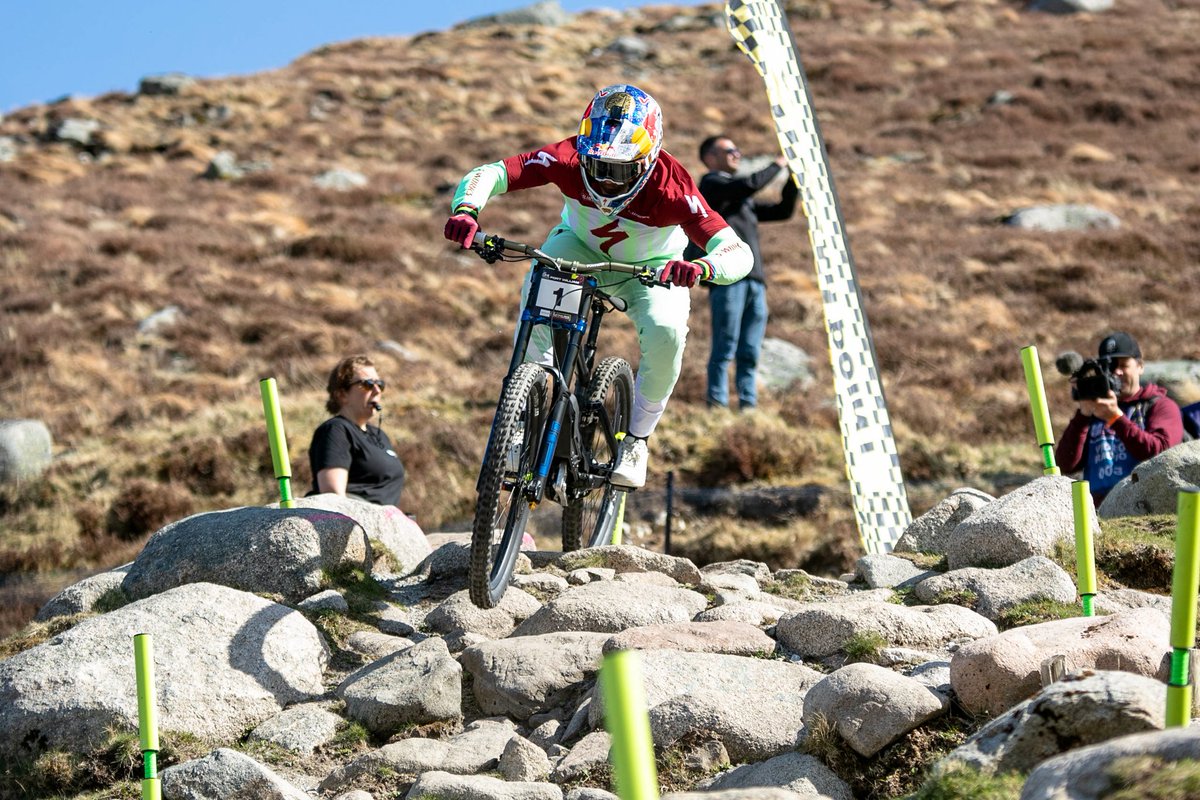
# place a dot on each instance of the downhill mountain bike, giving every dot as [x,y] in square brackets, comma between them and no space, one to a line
[558,426]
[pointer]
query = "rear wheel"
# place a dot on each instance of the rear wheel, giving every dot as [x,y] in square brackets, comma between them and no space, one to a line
[591,511]
[501,511]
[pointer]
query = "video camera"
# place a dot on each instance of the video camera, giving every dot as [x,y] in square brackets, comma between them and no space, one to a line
[1094,379]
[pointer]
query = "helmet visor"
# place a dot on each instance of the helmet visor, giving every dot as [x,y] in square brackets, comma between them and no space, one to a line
[620,173]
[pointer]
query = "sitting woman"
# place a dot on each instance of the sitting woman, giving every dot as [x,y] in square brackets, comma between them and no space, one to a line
[348,455]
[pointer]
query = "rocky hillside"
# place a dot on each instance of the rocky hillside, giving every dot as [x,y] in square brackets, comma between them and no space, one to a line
[162,251]
[331,650]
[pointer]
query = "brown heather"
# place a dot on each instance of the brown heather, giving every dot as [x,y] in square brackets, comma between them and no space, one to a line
[275,277]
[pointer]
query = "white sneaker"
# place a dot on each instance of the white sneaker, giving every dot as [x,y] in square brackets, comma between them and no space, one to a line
[630,472]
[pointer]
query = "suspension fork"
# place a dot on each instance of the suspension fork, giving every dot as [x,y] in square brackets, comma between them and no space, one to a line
[564,402]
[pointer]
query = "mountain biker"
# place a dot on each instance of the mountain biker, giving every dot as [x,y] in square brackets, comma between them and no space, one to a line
[624,199]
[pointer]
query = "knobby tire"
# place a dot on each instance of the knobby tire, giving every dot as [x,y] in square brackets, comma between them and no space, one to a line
[501,511]
[588,521]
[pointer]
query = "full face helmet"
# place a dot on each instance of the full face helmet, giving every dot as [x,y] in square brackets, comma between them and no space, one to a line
[619,138]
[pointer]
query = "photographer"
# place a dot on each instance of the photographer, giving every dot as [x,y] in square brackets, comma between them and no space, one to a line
[1120,422]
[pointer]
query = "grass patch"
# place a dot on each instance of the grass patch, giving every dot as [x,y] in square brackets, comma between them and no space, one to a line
[1138,552]
[935,562]
[1032,612]
[352,738]
[960,597]
[36,633]
[362,592]
[959,783]
[793,586]
[864,646]
[897,770]
[1153,778]
[678,771]
[109,772]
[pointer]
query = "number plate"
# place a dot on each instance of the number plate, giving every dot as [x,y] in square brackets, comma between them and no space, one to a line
[559,294]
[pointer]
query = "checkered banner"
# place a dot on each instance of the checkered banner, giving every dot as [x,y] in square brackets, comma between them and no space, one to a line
[880,503]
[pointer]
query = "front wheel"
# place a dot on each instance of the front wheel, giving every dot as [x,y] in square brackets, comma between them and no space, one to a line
[501,512]
[591,512]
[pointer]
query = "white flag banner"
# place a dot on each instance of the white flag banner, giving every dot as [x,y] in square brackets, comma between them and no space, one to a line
[872,465]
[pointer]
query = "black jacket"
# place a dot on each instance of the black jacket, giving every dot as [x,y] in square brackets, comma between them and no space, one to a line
[733,198]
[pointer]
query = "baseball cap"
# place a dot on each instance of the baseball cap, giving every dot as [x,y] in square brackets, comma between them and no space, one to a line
[1119,344]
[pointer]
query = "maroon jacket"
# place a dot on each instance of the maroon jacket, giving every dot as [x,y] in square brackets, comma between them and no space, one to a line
[1164,428]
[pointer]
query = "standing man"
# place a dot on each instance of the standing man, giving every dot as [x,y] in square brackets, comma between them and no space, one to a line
[739,310]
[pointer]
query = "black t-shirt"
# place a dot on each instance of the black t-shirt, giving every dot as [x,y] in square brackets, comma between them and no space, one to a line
[376,473]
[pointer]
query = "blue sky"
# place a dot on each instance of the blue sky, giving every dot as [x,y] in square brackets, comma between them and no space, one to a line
[51,48]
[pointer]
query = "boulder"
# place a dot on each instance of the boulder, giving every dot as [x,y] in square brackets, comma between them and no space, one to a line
[224,661]
[890,572]
[1153,486]
[414,686]
[626,558]
[522,760]
[732,638]
[1063,217]
[1028,521]
[397,542]
[477,749]
[589,754]
[458,613]
[447,786]
[283,551]
[803,774]
[611,607]
[870,707]
[930,532]
[168,83]
[24,449]
[225,773]
[521,677]
[822,629]
[991,592]
[82,596]
[1087,774]
[301,729]
[782,365]
[1081,709]
[543,12]
[994,674]
[340,180]
[755,706]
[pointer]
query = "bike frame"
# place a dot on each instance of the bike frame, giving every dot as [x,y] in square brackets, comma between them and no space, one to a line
[564,297]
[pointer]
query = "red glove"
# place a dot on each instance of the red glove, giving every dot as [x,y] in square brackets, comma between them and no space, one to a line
[461,228]
[681,273]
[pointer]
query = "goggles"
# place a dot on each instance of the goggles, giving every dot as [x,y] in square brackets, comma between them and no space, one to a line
[619,172]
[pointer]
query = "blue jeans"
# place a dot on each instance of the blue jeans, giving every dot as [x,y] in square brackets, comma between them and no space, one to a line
[739,321]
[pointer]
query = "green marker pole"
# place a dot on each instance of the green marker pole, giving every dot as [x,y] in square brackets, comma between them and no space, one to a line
[1185,581]
[143,664]
[1041,413]
[629,726]
[279,453]
[1085,555]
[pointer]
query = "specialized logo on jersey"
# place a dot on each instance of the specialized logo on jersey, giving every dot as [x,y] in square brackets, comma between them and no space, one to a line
[696,206]
[760,29]
[610,234]
[542,159]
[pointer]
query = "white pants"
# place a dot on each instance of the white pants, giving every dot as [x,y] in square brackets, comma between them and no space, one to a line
[659,314]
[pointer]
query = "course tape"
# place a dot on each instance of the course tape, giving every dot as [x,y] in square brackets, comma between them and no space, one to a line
[872,465]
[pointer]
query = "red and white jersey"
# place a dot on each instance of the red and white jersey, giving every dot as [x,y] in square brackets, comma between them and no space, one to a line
[654,226]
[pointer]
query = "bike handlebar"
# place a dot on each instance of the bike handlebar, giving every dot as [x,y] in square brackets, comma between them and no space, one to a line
[490,249]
